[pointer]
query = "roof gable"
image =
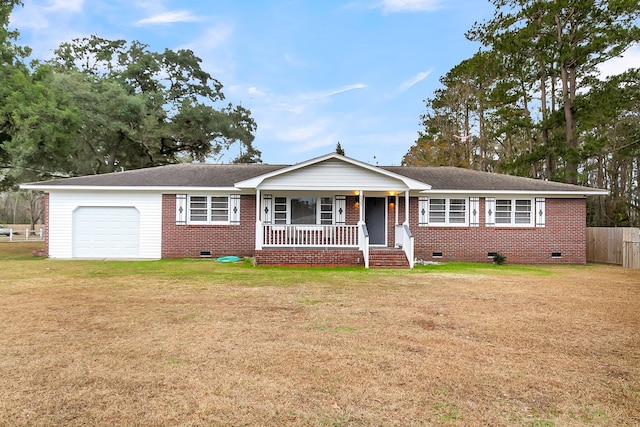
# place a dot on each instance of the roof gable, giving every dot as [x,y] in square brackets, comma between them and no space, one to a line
[334,172]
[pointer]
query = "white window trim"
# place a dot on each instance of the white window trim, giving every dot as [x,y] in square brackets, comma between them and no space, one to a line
[208,221]
[426,219]
[334,200]
[512,223]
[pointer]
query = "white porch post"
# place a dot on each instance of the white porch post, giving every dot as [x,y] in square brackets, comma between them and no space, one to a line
[259,236]
[406,207]
[396,209]
[361,202]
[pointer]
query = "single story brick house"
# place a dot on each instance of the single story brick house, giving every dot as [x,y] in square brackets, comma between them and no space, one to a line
[330,210]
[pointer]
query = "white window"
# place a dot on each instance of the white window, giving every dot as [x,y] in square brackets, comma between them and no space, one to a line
[514,212]
[443,211]
[208,209]
[303,210]
[280,210]
[326,210]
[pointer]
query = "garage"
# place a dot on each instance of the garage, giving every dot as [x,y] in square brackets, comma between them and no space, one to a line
[106,232]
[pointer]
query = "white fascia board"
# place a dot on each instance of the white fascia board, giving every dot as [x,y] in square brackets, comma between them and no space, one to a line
[347,188]
[577,194]
[56,188]
[255,182]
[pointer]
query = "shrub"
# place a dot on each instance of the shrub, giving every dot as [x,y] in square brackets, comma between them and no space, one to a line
[499,259]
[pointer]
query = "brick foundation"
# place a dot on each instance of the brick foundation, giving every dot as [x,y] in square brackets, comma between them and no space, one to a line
[309,257]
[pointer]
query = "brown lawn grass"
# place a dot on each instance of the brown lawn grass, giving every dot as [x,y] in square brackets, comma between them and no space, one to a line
[200,343]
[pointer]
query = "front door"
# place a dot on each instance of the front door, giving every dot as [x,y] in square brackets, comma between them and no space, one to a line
[375,218]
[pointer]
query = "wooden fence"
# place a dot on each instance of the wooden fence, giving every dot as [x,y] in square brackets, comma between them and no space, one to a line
[614,246]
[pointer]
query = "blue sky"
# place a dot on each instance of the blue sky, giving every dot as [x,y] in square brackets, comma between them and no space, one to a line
[313,72]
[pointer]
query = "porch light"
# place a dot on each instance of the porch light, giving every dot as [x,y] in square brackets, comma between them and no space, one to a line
[392,202]
[357,205]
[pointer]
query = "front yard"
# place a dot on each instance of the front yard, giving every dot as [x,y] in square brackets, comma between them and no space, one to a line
[180,342]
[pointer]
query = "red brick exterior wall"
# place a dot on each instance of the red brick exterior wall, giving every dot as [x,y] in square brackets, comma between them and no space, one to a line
[309,257]
[187,241]
[564,232]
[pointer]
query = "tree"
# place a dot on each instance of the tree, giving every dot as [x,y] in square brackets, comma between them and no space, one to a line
[157,108]
[339,149]
[568,38]
[40,124]
[11,57]
[535,106]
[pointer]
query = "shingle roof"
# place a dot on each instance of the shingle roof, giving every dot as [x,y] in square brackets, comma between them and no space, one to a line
[226,175]
[452,178]
[179,175]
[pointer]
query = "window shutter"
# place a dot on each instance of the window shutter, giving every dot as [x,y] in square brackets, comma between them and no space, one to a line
[234,209]
[181,209]
[540,212]
[490,210]
[423,211]
[340,209]
[474,212]
[267,209]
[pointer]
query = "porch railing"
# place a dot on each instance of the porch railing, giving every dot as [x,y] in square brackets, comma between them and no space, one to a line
[310,235]
[407,243]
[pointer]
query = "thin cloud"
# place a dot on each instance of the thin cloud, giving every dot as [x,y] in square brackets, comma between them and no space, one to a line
[414,80]
[332,92]
[304,132]
[620,64]
[399,6]
[292,60]
[169,18]
[66,5]
[215,36]
[255,91]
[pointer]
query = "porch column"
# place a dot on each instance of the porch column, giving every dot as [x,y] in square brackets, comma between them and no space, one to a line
[406,207]
[397,198]
[361,210]
[259,237]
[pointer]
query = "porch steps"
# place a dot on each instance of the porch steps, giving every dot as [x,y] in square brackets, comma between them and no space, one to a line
[387,258]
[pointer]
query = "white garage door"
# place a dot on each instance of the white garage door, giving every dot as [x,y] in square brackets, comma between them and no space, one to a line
[106,232]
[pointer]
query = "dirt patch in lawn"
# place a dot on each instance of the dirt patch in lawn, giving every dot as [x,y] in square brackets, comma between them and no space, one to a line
[133,344]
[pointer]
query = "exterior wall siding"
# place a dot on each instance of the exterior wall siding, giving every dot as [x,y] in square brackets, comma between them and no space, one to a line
[331,174]
[60,219]
[47,223]
[188,241]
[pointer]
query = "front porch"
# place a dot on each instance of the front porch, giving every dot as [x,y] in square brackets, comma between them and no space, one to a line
[331,245]
[331,211]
